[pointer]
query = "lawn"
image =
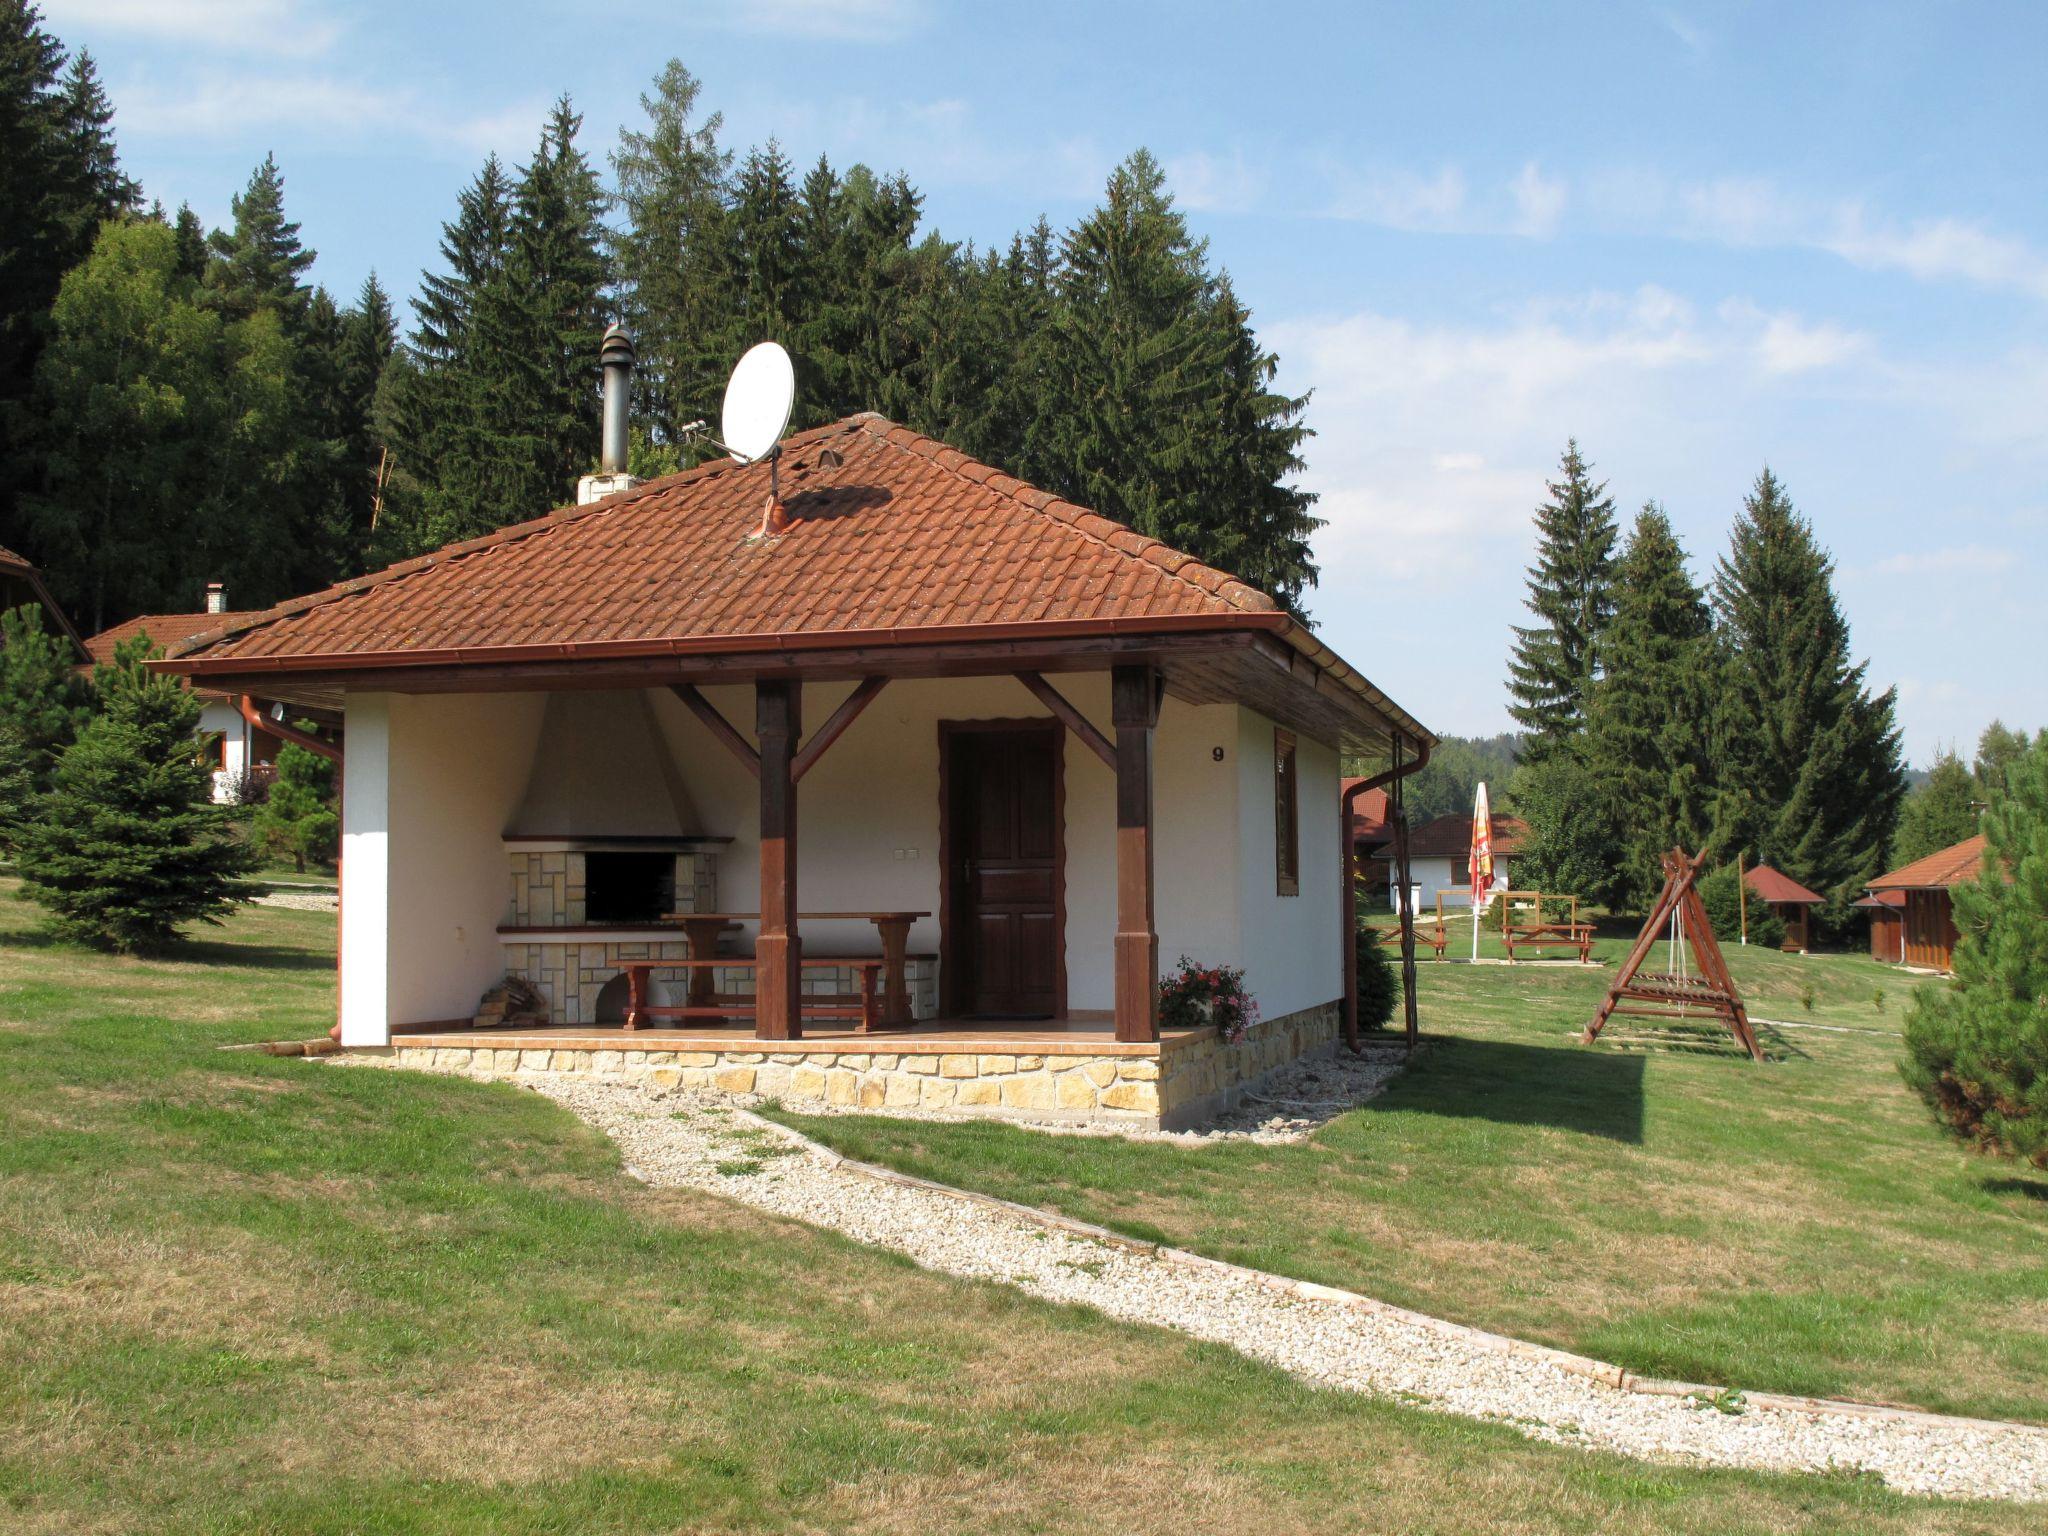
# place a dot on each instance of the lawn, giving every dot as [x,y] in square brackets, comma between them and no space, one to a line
[248,1294]
[1799,1226]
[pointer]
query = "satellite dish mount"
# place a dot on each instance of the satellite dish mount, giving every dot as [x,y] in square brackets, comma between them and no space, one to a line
[758,399]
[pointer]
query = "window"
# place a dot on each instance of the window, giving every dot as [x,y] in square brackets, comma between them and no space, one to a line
[1286,816]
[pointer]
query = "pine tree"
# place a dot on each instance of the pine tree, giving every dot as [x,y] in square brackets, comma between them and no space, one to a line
[127,847]
[261,262]
[108,191]
[764,252]
[367,340]
[1998,748]
[1811,777]
[1571,592]
[297,818]
[1939,813]
[669,256]
[194,245]
[43,702]
[1977,1051]
[18,788]
[1648,742]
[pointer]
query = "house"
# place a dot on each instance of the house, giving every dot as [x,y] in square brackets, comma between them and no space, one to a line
[1927,926]
[242,740]
[1440,858]
[1887,913]
[1792,902]
[21,585]
[1013,755]
[1372,834]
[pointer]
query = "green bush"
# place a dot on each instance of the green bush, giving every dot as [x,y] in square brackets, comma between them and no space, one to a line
[1379,982]
[1977,1050]
[297,818]
[1722,897]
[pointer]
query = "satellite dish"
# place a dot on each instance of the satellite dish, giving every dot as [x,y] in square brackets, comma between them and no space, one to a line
[758,399]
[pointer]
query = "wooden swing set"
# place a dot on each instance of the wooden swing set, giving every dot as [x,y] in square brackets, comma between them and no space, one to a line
[1676,993]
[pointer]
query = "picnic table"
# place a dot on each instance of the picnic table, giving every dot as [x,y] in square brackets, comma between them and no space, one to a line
[702,931]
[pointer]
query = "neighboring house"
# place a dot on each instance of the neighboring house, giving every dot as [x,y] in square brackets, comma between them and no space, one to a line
[1440,858]
[244,754]
[1792,902]
[1039,756]
[1372,835]
[1887,913]
[21,585]
[1927,925]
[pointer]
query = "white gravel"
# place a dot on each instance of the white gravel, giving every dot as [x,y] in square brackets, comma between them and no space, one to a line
[1332,1339]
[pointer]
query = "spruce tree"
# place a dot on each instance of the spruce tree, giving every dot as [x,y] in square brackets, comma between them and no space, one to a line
[1648,742]
[1977,1051]
[764,252]
[1939,813]
[18,788]
[1811,778]
[297,818]
[1571,593]
[261,262]
[668,256]
[127,847]
[106,191]
[43,701]
[1998,748]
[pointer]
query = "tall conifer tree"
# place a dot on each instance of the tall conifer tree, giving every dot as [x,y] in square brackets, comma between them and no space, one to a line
[1571,593]
[1939,813]
[1810,772]
[1649,732]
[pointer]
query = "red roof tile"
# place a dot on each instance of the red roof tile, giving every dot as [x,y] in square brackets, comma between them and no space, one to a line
[1769,884]
[165,629]
[1368,812]
[1950,866]
[1452,835]
[903,534]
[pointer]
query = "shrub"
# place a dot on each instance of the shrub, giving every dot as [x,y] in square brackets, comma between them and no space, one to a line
[128,846]
[297,817]
[1379,982]
[1722,897]
[1977,1050]
[1194,995]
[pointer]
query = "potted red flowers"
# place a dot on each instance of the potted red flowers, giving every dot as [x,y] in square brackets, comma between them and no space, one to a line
[1192,995]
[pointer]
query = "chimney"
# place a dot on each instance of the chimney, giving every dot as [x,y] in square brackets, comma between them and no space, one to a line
[616,358]
[216,597]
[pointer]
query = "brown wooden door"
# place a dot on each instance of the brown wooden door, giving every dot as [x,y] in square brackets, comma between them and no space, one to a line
[1005,847]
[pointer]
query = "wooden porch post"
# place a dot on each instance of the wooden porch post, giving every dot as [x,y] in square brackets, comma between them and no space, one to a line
[778,724]
[1134,708]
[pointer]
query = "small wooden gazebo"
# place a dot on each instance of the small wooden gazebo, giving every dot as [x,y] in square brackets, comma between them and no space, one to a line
[1792,902]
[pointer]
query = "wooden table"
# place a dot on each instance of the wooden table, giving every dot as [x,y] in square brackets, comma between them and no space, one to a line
[702,930]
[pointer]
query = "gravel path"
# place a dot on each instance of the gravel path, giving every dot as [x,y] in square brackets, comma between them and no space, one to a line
[1330,1338]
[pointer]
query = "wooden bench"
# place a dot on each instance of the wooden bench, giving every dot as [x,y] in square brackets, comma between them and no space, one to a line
[1541,936]
[862,1006]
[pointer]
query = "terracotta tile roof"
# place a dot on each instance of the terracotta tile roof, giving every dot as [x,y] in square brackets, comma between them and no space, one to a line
[166,629]
[1368,813]
[902,534]
[1451,835]
[10,560]
[1950,866]
[1882,900]
[1769,884]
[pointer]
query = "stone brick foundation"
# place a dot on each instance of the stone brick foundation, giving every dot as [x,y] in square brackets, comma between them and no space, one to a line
[1177,1083]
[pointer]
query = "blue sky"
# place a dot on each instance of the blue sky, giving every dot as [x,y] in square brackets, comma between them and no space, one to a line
[1698,237]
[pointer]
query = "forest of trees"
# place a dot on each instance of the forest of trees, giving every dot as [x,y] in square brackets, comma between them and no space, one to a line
[1658,712]
[180,405]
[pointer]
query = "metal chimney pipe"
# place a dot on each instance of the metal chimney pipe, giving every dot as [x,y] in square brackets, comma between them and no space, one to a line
[616,357]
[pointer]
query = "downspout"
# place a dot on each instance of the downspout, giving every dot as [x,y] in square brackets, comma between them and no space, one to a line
[320,748]
[1349,905]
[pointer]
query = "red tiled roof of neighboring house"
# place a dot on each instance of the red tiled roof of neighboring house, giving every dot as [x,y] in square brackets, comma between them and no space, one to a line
[1949,866]
[1452,835]
[18,568]
[1888,900]
[165,629]
[901,540]
[1368,814]
[1772,885]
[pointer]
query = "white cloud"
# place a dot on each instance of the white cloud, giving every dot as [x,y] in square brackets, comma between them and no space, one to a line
[225,106]
[1539,202]
[1214,184]
[288,27]
[1954,559]
[1691,36]
[872,21]
[1400,199]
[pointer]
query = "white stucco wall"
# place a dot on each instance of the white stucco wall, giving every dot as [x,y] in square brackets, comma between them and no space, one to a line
[1450,876]
[1291,945]
[429,787]
[433,783]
